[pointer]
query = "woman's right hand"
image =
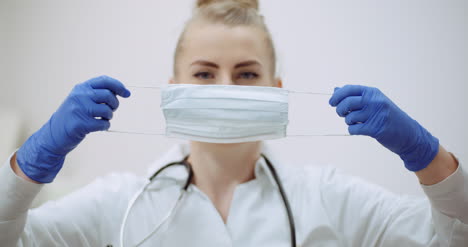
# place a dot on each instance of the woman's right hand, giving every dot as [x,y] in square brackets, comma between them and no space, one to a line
[88,108]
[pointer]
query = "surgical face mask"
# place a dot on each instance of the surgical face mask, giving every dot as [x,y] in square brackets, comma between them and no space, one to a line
[224,113]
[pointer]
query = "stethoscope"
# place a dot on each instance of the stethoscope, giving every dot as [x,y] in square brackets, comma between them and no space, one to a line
[187,165]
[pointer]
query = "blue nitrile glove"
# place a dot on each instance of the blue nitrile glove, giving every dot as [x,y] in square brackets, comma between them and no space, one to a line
[88,108]
[369,112]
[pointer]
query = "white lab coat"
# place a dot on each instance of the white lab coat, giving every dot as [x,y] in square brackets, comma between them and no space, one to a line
[329,208]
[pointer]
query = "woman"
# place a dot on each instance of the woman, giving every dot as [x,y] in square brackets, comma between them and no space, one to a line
[234,197]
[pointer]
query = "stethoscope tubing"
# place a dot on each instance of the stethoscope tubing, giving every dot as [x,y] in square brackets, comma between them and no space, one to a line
[185,163]
[292,225]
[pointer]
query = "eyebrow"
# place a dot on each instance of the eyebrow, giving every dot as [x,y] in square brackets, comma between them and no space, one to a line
[239,65]
[205,63]
[247,63]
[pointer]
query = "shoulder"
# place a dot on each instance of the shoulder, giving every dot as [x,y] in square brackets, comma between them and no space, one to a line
[103,200]
[294,176]
[331,193]
[327,186]
[324,178]
[123,184]
[303,183]
[114,190]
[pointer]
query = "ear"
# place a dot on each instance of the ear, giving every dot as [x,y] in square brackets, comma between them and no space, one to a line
[171,81]
[278,82]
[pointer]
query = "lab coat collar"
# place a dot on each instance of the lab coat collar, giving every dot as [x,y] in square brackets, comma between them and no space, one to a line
[180,151]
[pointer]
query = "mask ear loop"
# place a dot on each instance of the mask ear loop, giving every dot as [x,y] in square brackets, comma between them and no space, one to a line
[145,87]
[163,134]
[314,93]
[290,91]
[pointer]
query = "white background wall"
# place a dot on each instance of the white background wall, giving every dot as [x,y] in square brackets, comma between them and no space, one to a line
[414,51]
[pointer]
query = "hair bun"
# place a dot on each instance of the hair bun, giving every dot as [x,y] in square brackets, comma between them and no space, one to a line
[248,4]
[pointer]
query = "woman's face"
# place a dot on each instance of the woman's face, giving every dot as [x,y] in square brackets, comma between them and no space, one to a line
[218,54]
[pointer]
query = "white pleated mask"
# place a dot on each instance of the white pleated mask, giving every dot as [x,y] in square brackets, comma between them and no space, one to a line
[224,113]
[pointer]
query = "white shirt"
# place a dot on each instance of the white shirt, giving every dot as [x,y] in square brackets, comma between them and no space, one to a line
[329,208]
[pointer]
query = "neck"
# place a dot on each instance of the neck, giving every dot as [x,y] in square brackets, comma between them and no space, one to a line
[219,166]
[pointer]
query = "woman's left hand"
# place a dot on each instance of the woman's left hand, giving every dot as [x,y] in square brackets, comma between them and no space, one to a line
[369,112]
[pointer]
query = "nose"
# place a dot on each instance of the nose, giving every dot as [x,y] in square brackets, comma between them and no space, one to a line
[225,79]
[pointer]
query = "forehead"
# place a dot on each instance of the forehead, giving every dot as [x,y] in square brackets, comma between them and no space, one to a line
[224,43]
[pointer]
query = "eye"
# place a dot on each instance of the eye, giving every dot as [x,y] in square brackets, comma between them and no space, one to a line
[248,75]
[204,75]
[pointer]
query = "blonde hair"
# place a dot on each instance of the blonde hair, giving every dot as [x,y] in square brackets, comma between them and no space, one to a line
[230,13]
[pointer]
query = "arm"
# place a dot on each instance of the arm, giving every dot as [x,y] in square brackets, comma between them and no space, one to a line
[367,111]
[443,165]
[88,108]
[365,214]
[81,218]
[18,171]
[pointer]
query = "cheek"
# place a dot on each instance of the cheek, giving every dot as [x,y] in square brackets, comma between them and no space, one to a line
[185,77]
[265,82]
[270,80]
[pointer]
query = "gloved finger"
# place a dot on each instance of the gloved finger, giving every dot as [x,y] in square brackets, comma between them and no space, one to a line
[106,82]
[105,96]
[342,93]
[98,125]
[357,117]
[352,103]
[361,129]
[102,111]
[356,129]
